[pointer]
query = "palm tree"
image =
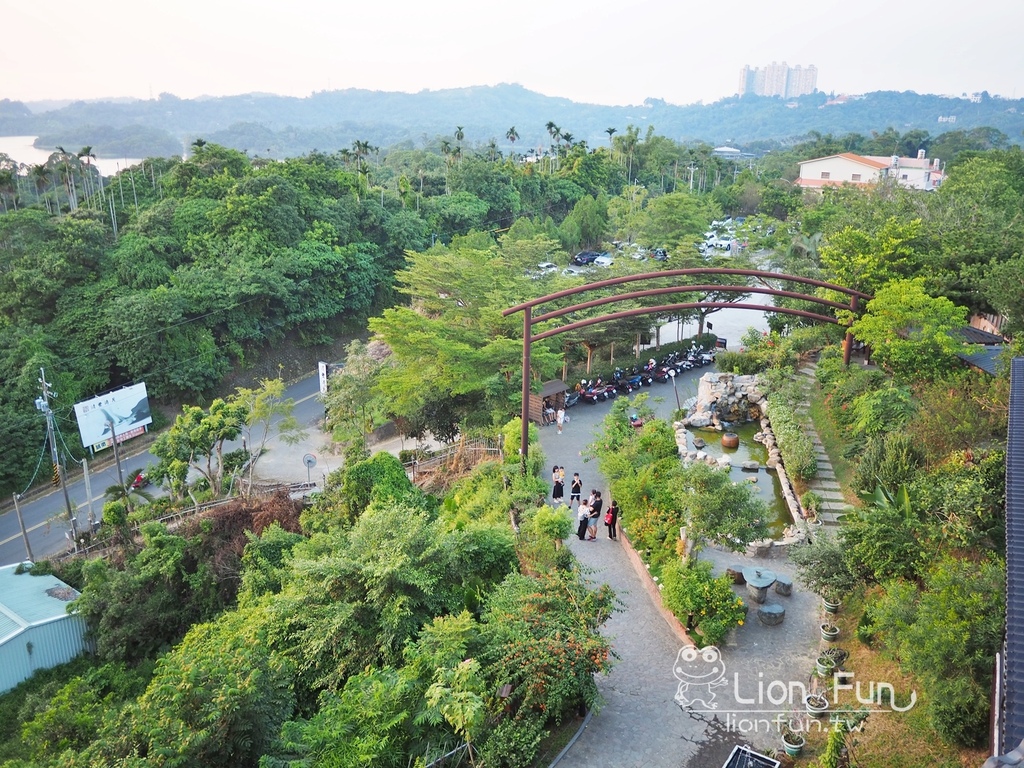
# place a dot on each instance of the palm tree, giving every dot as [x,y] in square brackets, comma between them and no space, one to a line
[87,153]
[41,178]
[459,135]
[127,493]
[492,149]
[68,178]
[8,188]
[611,132]
[513,137]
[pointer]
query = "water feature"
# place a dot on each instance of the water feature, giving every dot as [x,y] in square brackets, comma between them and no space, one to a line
[767,487]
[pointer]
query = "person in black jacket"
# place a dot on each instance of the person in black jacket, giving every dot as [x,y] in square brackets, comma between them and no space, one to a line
[611,520]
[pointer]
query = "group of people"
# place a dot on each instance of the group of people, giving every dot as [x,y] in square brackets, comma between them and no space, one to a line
[588,511]
[552,416]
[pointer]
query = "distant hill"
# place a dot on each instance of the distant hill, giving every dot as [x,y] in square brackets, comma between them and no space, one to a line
[282,126]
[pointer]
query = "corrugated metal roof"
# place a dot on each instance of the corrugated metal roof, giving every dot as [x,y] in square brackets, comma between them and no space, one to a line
[985,358]
[27,600]
[1013,697]
[973,335]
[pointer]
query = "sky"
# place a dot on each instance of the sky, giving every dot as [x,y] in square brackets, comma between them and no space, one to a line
[591,51]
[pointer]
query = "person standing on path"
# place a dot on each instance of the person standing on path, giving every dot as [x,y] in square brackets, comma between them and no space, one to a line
[575,488]
[611,519]
[560,418]
[583,515]
[595,516]
[557,485]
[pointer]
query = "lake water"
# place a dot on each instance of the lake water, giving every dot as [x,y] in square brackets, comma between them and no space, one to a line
[20,148]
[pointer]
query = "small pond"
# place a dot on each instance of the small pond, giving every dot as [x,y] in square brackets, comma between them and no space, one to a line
[767,486]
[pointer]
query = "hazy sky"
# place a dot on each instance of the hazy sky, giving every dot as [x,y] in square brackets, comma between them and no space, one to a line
[595,51]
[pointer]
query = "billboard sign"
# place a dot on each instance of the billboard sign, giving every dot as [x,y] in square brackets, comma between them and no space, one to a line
[323,370]
[127,409]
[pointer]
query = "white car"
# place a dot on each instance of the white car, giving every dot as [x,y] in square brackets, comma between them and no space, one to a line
[547,268]
[575,272]
[604,260]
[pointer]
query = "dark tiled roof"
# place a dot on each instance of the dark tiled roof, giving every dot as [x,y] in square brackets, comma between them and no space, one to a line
[973,335]
[1013,701]
[986,358]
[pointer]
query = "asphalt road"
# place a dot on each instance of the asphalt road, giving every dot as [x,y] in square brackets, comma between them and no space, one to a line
[46,517]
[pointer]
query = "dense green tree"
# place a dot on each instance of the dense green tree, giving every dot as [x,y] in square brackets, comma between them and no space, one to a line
[909,331]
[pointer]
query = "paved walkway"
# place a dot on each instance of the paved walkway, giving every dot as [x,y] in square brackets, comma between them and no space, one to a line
[824,482]
[640,724]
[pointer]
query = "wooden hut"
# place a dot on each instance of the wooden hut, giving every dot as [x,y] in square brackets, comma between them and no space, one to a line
[553,392]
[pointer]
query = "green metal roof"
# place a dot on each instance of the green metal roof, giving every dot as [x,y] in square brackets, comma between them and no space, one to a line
[27,600]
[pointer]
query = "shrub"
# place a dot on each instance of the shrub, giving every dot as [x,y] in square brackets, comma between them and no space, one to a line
[797,449]
[888,461]
[700,599]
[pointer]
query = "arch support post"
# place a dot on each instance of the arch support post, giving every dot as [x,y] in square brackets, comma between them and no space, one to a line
[848,341]
[524,437]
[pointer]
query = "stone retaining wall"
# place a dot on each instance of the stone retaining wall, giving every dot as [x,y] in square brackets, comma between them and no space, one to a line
[724,398]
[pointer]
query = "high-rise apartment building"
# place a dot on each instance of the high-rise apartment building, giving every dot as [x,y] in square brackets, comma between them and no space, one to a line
[778,80]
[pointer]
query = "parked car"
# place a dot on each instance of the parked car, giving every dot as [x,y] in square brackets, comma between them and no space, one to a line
[583,258]
[547,268]
[604,260]
[660,254]
[575,272]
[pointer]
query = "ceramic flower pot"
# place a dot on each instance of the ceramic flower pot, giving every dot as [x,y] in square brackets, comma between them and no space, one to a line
[816,704]
[793,743]
[829,632]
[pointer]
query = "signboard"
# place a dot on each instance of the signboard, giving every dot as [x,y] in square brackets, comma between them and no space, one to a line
[127,409]
[322,367]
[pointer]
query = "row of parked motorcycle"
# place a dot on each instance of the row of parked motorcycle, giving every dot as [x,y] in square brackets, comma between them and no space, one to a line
[624,381]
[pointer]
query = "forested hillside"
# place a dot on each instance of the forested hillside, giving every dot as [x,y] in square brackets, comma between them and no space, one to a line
[175,272]
[278,126]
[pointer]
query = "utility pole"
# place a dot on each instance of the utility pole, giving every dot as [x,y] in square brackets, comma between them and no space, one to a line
[43,404]
[21,524]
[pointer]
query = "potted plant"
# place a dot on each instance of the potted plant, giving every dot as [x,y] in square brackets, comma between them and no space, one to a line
[822,568]
[825,665]
[838,655]
[830,603]
[811,503]
[792,741]
[816,704]
[829,633]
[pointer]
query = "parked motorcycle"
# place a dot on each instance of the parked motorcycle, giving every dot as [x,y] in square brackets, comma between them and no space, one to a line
[140,481]
[646,379]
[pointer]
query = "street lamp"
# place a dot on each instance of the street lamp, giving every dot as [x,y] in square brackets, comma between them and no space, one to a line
[672,375]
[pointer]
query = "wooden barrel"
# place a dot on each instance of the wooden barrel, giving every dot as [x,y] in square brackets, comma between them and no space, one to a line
[730,440]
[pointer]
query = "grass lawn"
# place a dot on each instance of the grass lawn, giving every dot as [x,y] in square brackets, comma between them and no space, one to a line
[888,739]
[832,440]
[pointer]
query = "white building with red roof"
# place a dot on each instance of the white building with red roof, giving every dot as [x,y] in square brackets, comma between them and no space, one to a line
[860,170]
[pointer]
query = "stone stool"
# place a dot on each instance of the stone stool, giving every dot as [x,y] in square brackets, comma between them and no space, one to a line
[771,614]
[757,594]
[784,586]
[735,572]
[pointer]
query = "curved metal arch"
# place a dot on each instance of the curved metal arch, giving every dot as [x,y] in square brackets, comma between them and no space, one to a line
[527,309]
[672,307]
[691,289]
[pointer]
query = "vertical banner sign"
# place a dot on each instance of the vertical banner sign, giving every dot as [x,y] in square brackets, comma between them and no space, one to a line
[322,367]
